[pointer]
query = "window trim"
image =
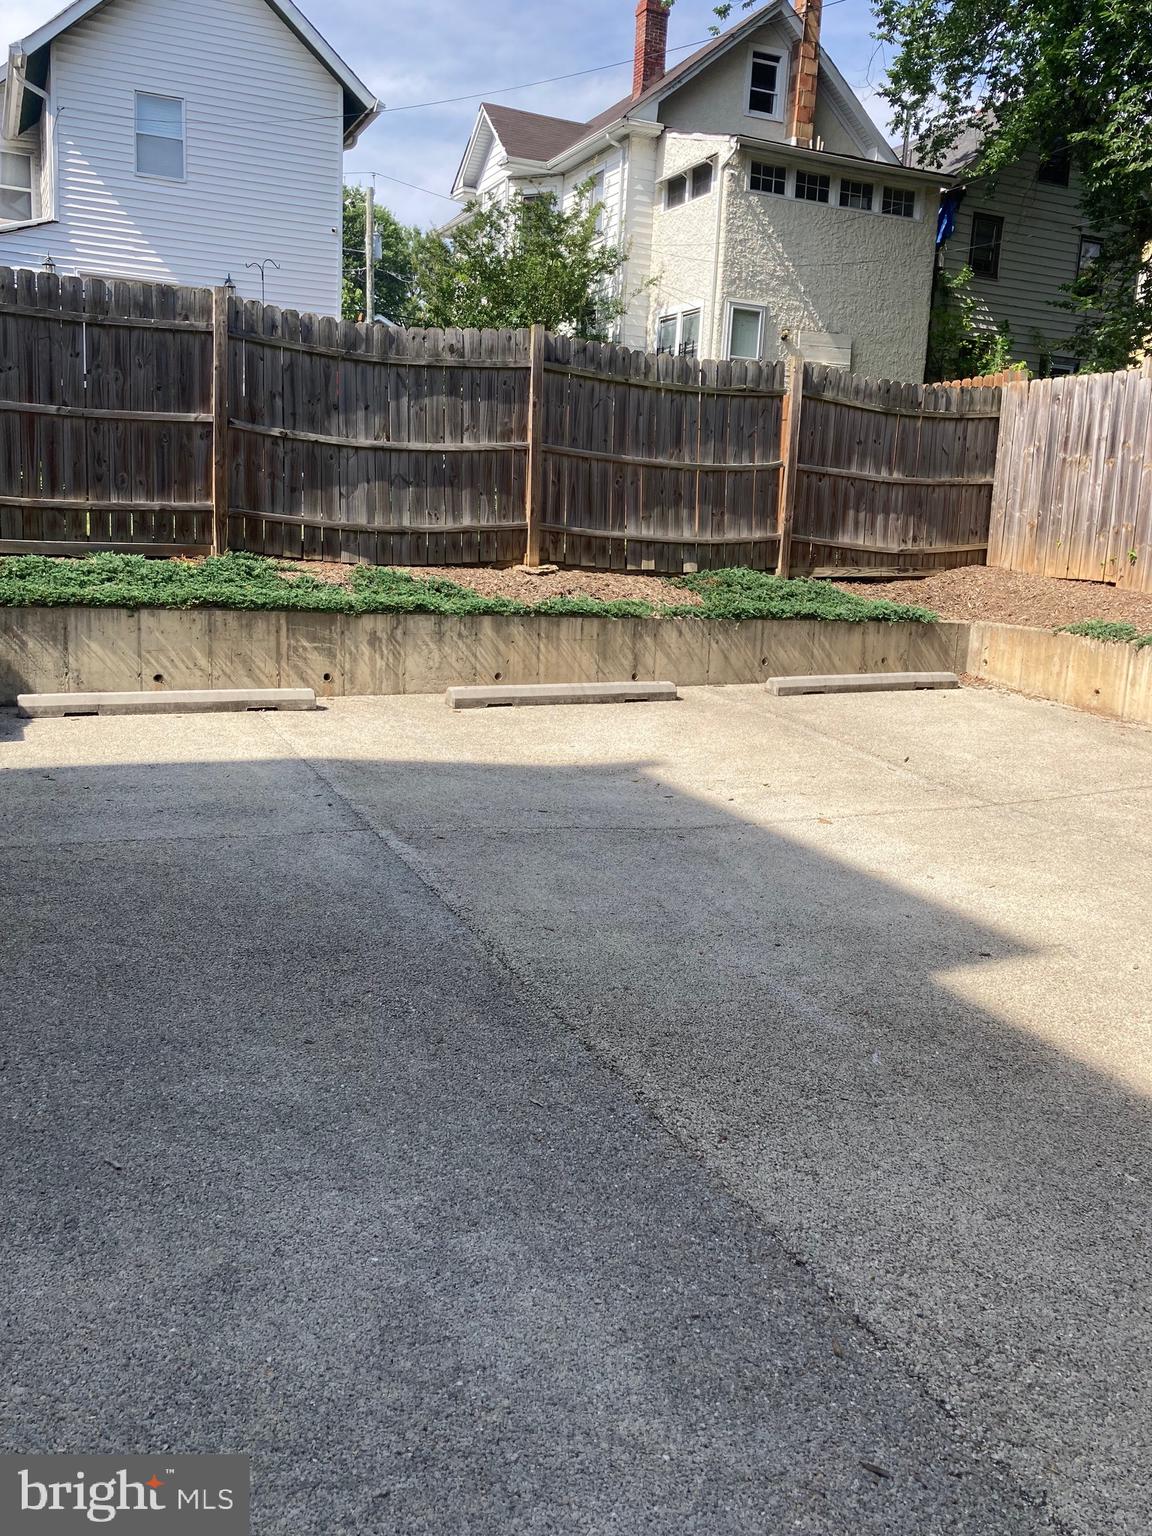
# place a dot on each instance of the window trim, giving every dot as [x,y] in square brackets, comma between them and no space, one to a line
[821,202]
[174,181]
[30,190]
[679,316]
[905,192]
[687,176]
[782,64]
[730,309]
[997,245]
[768,165]
[867,186]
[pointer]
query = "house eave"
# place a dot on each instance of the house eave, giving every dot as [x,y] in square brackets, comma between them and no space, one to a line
[891,169]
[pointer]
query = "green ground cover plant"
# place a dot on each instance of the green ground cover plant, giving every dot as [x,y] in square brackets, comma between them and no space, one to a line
[240,581]
[1116,630]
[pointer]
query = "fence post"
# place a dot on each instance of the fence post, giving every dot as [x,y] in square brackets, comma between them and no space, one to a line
[220,297]
[789,442]
[534,490]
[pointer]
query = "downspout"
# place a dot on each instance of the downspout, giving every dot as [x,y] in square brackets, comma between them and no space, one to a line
[624,146]
[719,250]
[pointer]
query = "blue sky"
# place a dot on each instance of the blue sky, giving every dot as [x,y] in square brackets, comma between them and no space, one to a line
[411,51]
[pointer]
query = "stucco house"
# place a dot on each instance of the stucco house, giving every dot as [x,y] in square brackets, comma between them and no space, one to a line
[1025,237]
[761,209]
[178,140]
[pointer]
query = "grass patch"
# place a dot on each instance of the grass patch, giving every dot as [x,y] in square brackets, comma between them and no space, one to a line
[252,582]
[1117,631]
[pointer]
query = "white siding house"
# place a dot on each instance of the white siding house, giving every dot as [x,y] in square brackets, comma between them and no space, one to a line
[179,140]
[761,210]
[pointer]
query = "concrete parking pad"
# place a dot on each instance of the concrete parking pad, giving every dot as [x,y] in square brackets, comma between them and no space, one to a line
[728,1119]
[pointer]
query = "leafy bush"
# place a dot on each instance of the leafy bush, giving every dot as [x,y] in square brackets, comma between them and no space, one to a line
[1116,630]
[744,594]
[253,582]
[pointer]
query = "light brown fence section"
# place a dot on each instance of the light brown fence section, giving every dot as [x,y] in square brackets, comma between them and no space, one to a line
[657,463]
[105,415]
[362,442]
[1074,479]
[892,476]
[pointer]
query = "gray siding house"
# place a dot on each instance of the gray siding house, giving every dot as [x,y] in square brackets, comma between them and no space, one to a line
[1025,237]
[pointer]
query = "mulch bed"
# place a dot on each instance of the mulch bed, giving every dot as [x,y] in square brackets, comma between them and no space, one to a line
[491,581]
[1011,597]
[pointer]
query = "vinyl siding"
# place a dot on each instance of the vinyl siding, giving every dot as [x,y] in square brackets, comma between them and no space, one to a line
[264,153]
[1041,244]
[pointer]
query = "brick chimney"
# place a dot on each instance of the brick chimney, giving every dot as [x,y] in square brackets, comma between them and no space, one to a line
[651,44]
[805,73]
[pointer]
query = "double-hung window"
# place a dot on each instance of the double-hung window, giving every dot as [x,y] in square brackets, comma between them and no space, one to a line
[15,187]
[984,251]
[160,136]
[765,84]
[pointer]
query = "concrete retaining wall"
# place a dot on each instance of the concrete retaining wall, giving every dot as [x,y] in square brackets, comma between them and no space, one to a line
[58,650]
[1095,675]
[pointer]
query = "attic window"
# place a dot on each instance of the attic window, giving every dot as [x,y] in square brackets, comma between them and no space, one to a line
[764,91]
[160,136]
[15,187]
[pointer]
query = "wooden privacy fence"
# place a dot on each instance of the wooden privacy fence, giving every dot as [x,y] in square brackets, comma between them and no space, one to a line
[141,416]
[106,425]
[1073,491]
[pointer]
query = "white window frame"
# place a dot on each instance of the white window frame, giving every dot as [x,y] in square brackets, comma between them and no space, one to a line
[886,187]
[30,189]
[686,176]
[782,64]
[817,202]
[151,175]
[855,181]
[729,310]
[774,165]
[599,180]
[679,315]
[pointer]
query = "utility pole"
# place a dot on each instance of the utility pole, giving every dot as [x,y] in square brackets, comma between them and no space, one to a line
[370,253]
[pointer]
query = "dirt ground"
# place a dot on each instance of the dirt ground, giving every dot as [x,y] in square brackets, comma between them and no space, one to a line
[515,582]
[1011,597]
[971,592]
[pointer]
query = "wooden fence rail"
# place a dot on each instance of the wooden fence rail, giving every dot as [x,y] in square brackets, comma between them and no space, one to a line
[146,417]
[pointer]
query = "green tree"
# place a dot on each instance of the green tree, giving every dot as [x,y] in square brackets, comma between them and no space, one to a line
[395,262]
[524,262]
[1036,76]
[961,343]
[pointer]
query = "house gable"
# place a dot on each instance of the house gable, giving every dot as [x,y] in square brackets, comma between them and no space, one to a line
[27,68]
